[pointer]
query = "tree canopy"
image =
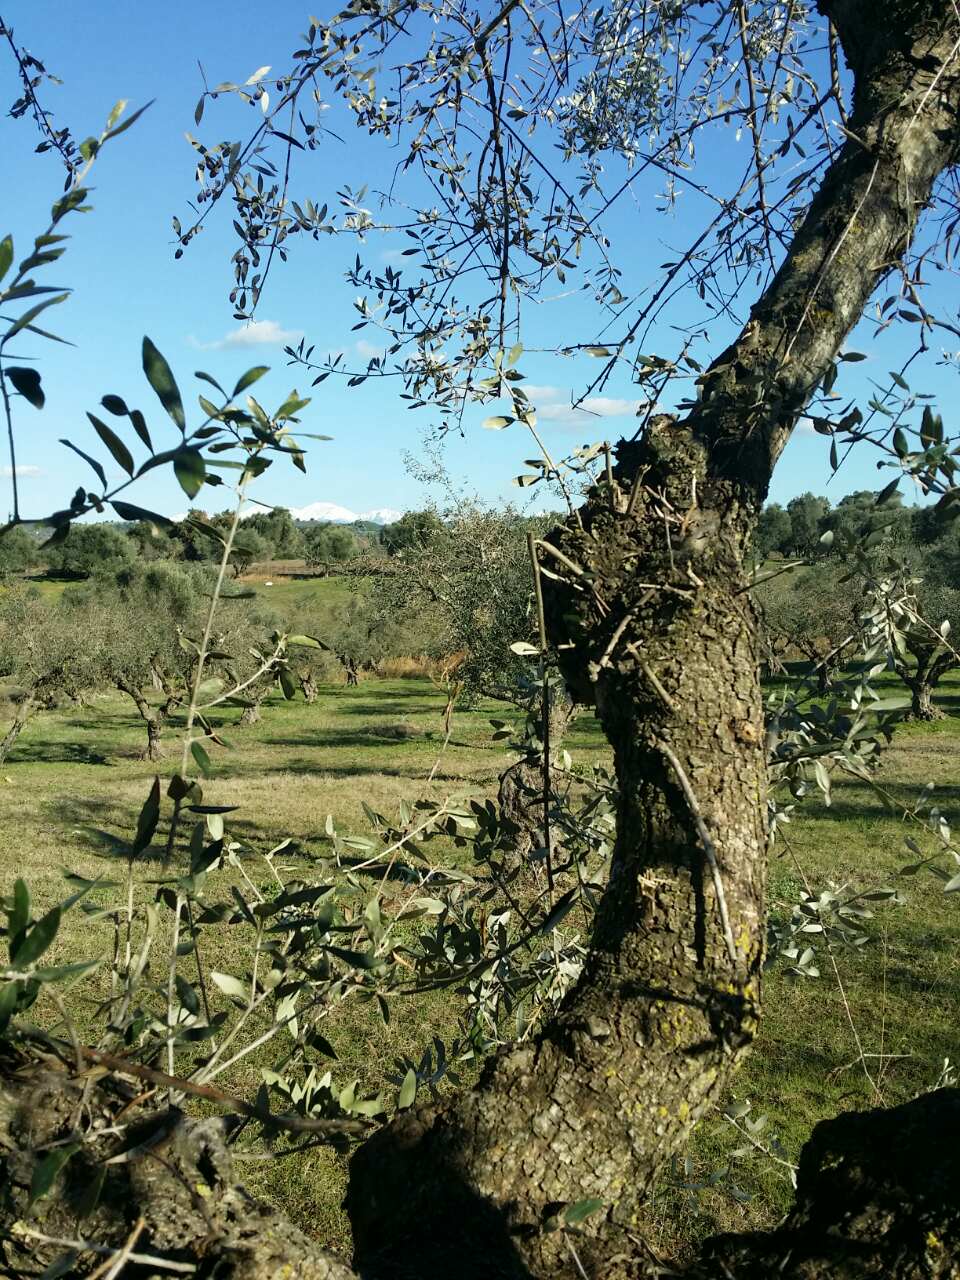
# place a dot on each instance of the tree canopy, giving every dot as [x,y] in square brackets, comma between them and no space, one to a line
[522,135]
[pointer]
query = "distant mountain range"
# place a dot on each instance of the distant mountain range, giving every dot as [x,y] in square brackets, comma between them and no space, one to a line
[329,512]
[335,514]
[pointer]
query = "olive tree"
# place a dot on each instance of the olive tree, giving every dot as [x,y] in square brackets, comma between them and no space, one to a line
[920,619]
[649,608]
[812,611]
[18,552]
[537,1170]
[326,544]
[89,550]
[473,577]
[47,652]
[146,653]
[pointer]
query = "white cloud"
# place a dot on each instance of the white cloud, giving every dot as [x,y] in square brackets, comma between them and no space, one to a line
[537,393]
[23,473]
[554,405]
[367,350]
[258,333]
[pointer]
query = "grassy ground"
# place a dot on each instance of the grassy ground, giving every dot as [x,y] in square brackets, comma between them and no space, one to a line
[69,795]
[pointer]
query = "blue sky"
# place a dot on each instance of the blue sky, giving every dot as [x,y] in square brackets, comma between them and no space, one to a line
[126,283]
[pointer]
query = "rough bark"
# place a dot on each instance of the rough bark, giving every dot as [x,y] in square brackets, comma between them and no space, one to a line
[350,669]
[923,677]
[252,714]
[660,620]
[309,688]
[25,708]
[878,1198]
[520,791]
[922,706]
[178,1180]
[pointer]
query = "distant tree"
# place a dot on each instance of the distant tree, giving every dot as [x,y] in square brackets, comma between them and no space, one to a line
[150,541]
[474,577]
[325,544]
[810,611]
[857,518]
[924,640]
[190,539]
[248,548]
[146,652]
[806,515]
[360,633]
[243,638]
[932,524]
[18,551]
[47,652]
[774,531]
[89,549]
[411,532]
[279,532]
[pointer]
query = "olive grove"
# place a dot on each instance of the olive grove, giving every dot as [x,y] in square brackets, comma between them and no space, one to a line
[519,127]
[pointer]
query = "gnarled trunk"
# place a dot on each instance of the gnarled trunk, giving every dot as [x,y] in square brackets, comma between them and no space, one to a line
[176,1200]
[154,750]
[25,708]
[309,687]
[668,999]
[658,613]
[153,717]
[251,714]
[922,706]
[923,678]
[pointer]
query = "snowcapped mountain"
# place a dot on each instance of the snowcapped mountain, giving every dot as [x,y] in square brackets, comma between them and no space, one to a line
[381,515]
[336,514]
[330,512]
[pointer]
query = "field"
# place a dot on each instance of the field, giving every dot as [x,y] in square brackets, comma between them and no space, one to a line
[878,1029]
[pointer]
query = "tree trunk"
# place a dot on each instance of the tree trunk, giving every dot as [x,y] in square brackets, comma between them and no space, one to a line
[665,636]
[25,708]
[251,714]
[351,669]
[876,1196]
[520,793]
[309,688]
[922,706]
[668,999]
[153,750]
[183,1193]
[153,717]
[923,678]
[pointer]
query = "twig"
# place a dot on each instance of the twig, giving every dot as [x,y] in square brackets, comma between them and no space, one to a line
[112,1268]
[558,555]
[293,1124]
[861,1056]
[615,639]
[651,677]
[88,1246]
[708,846]
[576,1260]
[544,707]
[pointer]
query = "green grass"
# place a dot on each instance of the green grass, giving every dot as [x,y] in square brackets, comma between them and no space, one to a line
[71,789]
[293,594]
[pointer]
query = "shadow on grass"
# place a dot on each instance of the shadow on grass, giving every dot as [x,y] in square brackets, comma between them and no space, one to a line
[58,753]
[88,820]
[322,772]
[377,710]
[373,739]
[865,805]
